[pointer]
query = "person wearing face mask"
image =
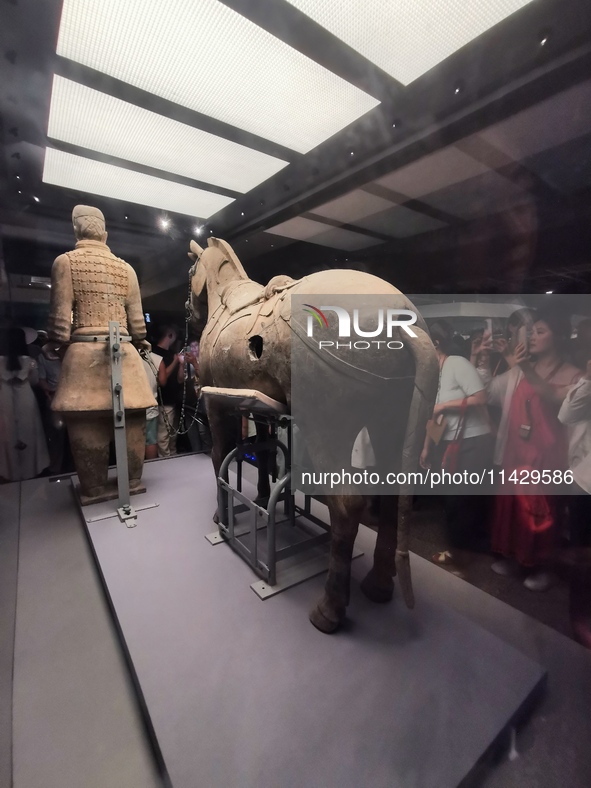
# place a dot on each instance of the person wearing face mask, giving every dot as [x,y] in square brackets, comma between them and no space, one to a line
[530,437]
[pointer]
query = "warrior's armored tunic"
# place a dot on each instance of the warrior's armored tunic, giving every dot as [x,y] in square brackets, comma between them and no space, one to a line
[90,287]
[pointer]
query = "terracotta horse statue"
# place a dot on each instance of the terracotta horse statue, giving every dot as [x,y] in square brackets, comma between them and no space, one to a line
[246,343]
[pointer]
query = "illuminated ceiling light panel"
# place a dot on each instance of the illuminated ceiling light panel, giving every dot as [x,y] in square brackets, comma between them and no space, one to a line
[205,56]
[106,180]
[99,122]
[406,38]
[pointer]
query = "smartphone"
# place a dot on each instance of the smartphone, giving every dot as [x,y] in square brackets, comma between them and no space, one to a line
[522,337]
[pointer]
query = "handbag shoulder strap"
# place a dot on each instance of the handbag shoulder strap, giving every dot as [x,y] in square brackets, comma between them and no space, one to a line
[462,420]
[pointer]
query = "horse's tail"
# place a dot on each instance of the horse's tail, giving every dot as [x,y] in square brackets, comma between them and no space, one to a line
[421,409]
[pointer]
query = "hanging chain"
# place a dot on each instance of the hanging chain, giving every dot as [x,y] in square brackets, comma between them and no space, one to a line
[146,356]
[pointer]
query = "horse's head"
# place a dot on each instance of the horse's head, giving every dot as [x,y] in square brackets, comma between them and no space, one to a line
[213,268]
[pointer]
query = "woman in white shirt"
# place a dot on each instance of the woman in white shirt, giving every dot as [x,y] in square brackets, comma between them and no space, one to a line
[461,400]
[575,413]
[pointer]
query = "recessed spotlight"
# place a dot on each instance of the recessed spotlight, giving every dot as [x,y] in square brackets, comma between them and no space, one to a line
[352,153]
[164,223]
[246,241]
[197,230]
[242,214]
[543,38]
[18,177]
[211,232]
[19,191]
[548,292]
[126,217]
[36,199]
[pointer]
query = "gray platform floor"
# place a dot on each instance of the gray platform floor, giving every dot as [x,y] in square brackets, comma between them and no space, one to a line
[399,699]
[75,713]
[76,721]
[9,523]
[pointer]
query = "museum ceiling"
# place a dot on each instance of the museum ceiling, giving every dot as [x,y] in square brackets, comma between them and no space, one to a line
[410,143]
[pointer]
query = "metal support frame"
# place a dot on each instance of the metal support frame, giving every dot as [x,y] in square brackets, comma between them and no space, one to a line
[125,510]
[244,538]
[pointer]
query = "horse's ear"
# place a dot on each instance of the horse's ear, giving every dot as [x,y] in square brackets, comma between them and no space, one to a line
[196,250]
[228,252]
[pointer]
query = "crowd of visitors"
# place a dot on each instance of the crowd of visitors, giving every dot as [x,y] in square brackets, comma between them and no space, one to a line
[33,438]
[521,402]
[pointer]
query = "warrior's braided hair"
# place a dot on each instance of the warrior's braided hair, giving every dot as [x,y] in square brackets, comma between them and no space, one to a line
[89,223]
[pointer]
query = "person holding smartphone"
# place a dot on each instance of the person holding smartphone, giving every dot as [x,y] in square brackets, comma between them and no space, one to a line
[530,437]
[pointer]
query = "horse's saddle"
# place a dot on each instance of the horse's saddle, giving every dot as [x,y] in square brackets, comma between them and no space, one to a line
[248,299]
[248,293]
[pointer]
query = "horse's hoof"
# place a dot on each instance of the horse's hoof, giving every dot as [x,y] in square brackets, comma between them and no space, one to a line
[377,593]
[323,623]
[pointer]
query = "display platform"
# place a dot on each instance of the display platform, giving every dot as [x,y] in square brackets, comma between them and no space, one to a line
[243,693]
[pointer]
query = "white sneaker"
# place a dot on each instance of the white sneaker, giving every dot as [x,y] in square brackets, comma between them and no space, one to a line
[538,581]
[505,567]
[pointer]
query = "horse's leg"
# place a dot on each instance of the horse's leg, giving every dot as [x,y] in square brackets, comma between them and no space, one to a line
[222,426]
[378,584]
[263,485]
[329,612]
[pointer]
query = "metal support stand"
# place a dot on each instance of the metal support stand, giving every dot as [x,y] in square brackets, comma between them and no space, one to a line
[304,532]
[126,512]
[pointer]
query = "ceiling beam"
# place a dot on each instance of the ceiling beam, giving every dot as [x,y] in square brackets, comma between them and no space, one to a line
[294,28]
[149,101]
[77,150]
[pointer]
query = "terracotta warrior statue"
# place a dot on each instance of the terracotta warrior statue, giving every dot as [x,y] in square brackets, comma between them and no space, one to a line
[90,287]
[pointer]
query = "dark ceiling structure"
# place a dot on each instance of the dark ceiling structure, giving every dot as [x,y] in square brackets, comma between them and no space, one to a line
[475,175]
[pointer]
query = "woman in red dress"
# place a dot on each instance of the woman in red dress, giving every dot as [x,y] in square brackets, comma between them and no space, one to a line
[525,527]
